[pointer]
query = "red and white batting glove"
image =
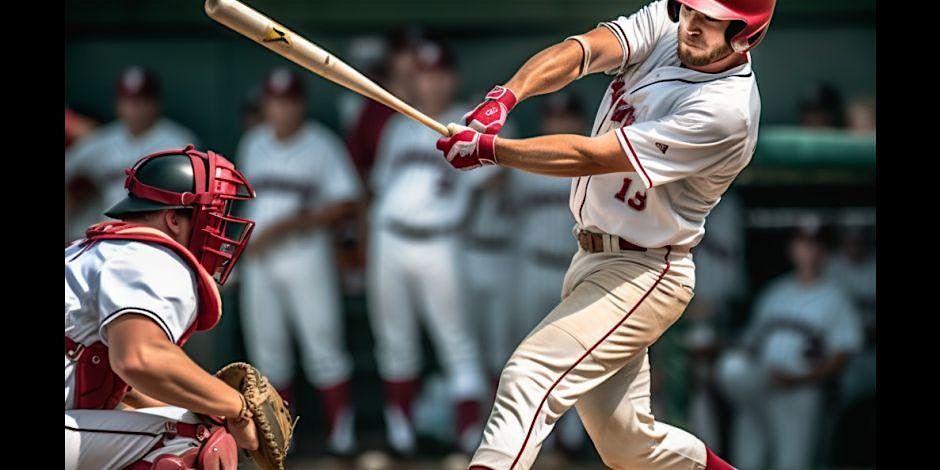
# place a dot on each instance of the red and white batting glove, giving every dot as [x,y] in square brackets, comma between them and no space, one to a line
[490,115]
[468,149]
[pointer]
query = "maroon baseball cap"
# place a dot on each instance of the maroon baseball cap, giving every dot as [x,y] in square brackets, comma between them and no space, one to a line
[432,54]
[283,82]
[136,81]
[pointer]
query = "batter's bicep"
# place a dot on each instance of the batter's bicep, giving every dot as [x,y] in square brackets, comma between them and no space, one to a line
[638,33]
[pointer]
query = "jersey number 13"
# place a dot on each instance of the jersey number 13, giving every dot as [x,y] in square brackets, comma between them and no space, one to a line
[637,202]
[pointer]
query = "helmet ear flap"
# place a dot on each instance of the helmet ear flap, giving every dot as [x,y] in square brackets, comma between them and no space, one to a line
[672,7]
[734,28]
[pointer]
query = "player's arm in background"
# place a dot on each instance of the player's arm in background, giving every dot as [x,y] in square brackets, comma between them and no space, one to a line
[339,188]
[844,336]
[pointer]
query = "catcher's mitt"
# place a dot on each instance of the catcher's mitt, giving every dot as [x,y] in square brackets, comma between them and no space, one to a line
[272,419]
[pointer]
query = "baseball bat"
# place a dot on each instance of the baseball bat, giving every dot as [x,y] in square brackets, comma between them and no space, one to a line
[259,28]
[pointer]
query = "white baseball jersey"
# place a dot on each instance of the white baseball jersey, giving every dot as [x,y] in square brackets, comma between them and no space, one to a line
[104,155]
[795,325]
[687,134]
[116,277]
[413,184]
[310,171]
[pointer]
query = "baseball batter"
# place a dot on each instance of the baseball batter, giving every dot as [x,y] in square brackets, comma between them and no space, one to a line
[677,124]
[102,156]
[306,183]
[135,291]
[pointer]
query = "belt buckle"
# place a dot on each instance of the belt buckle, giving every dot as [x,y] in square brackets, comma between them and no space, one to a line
[586,241]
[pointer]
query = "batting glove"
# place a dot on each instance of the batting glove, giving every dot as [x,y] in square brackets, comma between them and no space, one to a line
[490,115]
[468,149]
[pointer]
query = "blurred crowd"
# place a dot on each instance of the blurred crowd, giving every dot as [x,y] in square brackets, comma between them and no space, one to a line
[476,259]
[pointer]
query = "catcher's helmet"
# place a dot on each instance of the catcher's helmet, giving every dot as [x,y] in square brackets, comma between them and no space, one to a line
[750,18]
[208,184]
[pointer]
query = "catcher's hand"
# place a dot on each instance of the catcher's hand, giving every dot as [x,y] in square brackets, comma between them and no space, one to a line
[273,421]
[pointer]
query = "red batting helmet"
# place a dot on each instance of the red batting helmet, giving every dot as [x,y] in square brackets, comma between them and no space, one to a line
[750,18]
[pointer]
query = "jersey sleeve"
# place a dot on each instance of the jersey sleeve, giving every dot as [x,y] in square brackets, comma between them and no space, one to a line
[845,334]
[153,283]
[695,140]
[639,33]
[341,183]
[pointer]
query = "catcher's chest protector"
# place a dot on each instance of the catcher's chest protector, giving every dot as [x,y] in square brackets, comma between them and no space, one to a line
[97,387]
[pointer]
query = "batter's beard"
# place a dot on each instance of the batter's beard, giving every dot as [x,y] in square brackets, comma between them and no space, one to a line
[698,58]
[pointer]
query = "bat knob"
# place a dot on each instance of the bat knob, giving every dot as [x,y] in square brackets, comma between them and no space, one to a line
[454,128]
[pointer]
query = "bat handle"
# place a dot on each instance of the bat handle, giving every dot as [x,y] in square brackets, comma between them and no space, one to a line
[452,129]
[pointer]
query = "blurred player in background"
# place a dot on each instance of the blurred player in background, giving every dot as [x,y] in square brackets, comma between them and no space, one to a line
[305,184]
[414,254]
[803,331]
[98,161]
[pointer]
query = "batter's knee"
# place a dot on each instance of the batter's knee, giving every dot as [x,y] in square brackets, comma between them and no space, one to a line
[625,453]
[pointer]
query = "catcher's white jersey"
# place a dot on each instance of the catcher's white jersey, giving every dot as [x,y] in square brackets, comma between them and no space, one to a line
[686,133]
[116,277]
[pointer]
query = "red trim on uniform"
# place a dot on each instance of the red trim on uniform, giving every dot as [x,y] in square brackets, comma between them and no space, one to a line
[636,158]
[586,354]
[626,41]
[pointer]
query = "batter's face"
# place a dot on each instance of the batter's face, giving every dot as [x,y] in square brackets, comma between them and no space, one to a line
[701,38]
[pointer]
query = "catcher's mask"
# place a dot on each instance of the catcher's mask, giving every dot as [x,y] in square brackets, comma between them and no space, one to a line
[208,184]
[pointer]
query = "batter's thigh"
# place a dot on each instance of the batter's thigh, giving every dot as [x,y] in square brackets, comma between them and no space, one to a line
[618,416]
[607,321]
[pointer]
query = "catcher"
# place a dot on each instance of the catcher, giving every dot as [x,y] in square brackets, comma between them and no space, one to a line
[135,291]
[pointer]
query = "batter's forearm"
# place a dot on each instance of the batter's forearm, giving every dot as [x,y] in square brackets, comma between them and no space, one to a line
[167,374]
[548,71]
[561,155]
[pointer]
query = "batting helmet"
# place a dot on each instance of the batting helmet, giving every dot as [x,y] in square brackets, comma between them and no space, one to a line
[750,18]
[208,184]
